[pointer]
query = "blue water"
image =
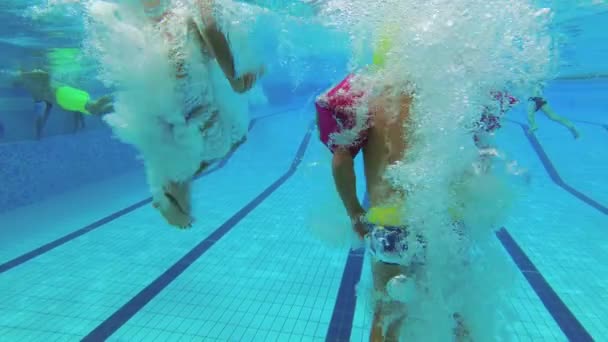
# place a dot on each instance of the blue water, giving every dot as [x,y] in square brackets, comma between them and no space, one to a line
[84,255]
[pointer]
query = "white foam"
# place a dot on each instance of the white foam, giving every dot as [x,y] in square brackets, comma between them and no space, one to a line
[151,103]
[453,53]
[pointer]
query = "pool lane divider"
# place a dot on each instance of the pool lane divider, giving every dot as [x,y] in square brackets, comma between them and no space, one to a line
[554,175]
[99,223]
[129,309]
[341,323]
[340,327]
[564,318]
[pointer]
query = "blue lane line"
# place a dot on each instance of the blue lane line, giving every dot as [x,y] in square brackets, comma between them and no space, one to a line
[128,310]
[341,323]
[564,318]
[69,237]
[554,175]
[97,224]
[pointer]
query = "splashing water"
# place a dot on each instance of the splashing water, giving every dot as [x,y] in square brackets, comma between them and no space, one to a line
[52,11]
[453,54]
[141,60]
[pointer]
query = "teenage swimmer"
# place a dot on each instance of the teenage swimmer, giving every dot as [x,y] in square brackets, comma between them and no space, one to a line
[352,117]
[536,103]
[44,90]
[201,126]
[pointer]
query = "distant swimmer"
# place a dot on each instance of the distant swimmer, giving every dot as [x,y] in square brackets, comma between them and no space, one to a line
[50,93]
[199,121]
[538,102]
[491,117]
[360,115]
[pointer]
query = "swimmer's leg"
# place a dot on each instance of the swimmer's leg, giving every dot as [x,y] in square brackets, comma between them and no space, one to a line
[560,119]
[78,121]
[41,120]
[385,308]
[461,332]
[532,116]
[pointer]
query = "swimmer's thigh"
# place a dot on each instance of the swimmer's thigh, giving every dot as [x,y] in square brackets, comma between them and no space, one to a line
[383,272]
[386,309]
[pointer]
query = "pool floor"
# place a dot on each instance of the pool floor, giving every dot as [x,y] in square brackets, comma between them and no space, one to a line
[95,264]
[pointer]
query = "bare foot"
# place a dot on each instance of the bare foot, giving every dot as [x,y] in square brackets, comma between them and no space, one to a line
[461,333]
[575,133]
[175,216]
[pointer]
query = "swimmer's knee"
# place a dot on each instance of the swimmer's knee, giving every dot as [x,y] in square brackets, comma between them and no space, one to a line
[385,306]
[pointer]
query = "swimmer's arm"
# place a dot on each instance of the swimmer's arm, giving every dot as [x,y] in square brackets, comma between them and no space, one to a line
[343,169]
[213,38]
[101,106]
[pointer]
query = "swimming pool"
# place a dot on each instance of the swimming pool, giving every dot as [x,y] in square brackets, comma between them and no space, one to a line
[92,262]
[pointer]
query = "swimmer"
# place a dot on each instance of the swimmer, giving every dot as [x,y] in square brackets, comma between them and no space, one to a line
[488,124]
[383,141]
[538,102]
[491,118]
[380,133]
[201,128]
[44,90]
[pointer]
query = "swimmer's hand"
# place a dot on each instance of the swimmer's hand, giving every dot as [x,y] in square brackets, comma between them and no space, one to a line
[359,224]
[102,106]
[246,81]
[177,213]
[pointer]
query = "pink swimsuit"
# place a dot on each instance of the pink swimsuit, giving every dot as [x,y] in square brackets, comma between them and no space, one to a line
[336,113]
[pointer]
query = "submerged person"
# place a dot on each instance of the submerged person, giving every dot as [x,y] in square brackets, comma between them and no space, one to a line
[539,103]
[487,126]
[49,93]
[353,117]
[202,123]
[491,118]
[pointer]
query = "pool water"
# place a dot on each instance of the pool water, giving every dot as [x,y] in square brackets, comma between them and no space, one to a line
[84,255]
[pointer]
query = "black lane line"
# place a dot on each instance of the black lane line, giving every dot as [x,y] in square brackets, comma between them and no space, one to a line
[97,224]
[128,310]
[564,318]
[554,175]
[341,323]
